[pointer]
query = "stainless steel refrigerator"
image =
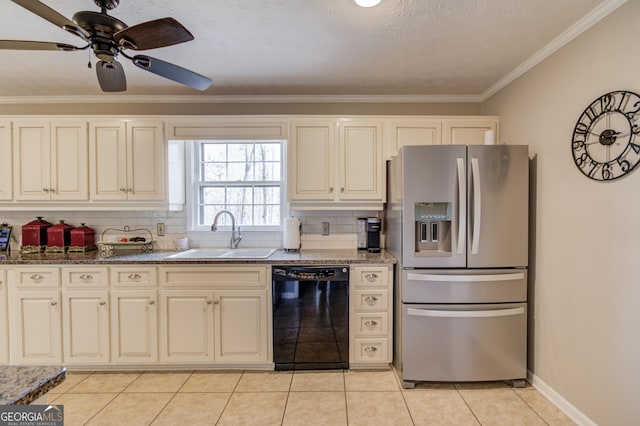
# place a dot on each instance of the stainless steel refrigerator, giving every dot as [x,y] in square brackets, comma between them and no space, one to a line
[457,221]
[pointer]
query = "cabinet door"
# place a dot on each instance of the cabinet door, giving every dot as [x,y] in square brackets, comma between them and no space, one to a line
[241,326]
[468,131]
[186,326]
[108,160]
[69,161]
[4,319]
[146,163]
[134,326]
[311,161]
[6,162]
[413,132]
[32,160]
[361,164]
[85,324]
[38,338]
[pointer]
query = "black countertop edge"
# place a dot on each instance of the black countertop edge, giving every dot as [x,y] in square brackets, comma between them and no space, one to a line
[280,257]
[21,385]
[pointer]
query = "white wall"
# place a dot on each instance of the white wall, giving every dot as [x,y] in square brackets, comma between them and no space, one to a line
[586,254]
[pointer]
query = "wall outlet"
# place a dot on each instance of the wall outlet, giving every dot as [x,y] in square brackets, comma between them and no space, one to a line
[325,228]
[160,229]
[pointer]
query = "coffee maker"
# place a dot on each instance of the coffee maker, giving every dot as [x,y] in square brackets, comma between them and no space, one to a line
[374,226]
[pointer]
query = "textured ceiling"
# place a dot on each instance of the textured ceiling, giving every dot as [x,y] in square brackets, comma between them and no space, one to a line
[302,47]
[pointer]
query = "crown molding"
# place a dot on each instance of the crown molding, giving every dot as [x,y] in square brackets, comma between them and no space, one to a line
[231,99]
[565,37]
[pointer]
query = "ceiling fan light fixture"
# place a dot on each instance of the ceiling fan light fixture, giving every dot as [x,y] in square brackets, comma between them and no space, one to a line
[367,3]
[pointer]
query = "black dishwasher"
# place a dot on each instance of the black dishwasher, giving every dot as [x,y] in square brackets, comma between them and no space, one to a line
[310,317]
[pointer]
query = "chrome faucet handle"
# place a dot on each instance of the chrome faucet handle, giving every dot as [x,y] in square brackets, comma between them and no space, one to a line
[235,238]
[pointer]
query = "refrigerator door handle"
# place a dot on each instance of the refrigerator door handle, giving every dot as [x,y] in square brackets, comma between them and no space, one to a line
[477,207]
[462,205]
[465,314]
[466,278]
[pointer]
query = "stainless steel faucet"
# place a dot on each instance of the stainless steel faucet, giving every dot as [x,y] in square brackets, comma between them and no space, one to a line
[235,235]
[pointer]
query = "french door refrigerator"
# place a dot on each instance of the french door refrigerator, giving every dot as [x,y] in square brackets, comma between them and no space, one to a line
[457,221]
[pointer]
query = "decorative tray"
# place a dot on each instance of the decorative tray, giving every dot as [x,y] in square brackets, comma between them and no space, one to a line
[125,239]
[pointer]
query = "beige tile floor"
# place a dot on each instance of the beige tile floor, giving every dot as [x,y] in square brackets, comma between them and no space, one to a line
[287,398]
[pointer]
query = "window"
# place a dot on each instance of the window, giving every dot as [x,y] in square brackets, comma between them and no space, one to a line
[241,176]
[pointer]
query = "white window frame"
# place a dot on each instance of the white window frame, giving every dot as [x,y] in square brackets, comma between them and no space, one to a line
[192,186]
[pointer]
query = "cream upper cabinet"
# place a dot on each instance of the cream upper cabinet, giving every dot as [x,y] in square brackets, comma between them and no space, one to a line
[50,160]
[312,160]
[326,168]
[127,160]
[401,132]
[468,130]
[6,162]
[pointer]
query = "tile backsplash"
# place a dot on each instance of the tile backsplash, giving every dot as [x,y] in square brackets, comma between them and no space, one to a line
[342,227]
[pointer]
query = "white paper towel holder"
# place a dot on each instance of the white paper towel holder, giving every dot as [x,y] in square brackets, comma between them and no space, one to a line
[291,241]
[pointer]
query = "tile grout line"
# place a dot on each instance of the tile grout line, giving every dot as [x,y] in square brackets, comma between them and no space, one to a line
[170,399]
[455,386]
[532,409]
[233,391]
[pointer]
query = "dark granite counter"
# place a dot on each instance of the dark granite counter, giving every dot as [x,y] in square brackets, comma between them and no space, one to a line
[280,257]
[20,385]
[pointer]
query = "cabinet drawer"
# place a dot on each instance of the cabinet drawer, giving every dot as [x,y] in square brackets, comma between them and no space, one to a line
[134,277]
[85,277]
[371,300]
[374,324]
[371,275]
[371,350]
[37,277]
[216,276]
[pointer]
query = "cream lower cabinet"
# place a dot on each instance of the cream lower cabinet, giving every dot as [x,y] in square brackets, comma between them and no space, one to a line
[215,314]
[134,315]
[370,318]
[85,315]
[37,319]
[4,319]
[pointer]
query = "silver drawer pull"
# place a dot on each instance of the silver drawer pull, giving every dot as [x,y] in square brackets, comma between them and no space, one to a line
[370,350]
[134,276]
[370,323]
[371,277]
[216,302]
[102,303]
[152,302]
[86,277]
[209,302]
[371,300]
[54,303]
[36,277]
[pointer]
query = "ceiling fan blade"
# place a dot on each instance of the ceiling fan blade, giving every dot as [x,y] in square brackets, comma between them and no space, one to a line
[153,34]
[35,45]
[172,72]
[45,12]
[111,76]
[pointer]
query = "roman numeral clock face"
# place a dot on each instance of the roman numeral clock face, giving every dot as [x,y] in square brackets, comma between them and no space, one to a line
[606,141]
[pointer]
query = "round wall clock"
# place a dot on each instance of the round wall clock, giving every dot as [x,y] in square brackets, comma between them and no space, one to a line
[606,141]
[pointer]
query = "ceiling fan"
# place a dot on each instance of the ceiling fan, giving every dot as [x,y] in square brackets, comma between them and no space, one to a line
[109,37]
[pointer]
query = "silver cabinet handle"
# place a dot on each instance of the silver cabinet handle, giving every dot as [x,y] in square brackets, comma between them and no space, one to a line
[54,303]
[331,189]
[209,302]
[134,276]
[371,277]
[371,299]
[371,323]
[52,190]
[45,189]
[341,189]
[36,277]
[129,190]
[86,277]
[152,302]
[102,303]
[217,302]
[123,189]
[370,349]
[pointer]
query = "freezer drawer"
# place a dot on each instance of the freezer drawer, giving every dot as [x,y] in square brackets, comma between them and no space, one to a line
[453,343]
[464,285]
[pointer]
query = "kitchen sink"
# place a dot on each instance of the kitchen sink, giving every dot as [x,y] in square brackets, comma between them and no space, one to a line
[220,253]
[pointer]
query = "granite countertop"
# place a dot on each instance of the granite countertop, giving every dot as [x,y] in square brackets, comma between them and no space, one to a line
[280,257]
[21,385]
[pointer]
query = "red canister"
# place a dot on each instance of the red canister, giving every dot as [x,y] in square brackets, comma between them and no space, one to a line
[82,239]
[58,237]
[34,236]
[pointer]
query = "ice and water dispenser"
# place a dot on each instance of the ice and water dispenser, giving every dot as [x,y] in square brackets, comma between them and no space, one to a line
[433,228]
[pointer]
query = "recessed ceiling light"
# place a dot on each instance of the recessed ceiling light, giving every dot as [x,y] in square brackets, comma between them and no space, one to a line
[367,3]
